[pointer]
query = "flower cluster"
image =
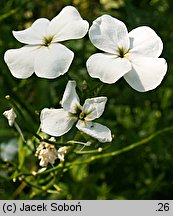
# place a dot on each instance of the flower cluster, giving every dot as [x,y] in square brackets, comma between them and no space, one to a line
[133,55]
[47,153]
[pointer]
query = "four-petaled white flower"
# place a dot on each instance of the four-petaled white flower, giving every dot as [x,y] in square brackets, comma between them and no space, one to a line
[133,55]
[43,53]
[57,122]
[11,116]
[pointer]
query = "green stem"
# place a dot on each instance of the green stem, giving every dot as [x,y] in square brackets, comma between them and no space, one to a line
[125,149]
[19,131]
[109,154]
[90,151]
[6,15]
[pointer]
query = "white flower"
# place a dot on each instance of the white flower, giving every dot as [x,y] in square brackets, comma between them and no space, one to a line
[57,122]
[10,115]
[133,55]
[43,53]
[61,152]
[8,150]
[47,153]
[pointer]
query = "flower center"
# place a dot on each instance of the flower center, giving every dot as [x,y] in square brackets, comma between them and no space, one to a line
[122,52]
[82,116]
[47,41]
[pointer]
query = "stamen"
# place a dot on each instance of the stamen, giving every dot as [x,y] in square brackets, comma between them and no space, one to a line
[122,52]
[82,115]
[47,41]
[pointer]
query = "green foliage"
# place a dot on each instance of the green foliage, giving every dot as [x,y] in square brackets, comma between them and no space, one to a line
[124,169]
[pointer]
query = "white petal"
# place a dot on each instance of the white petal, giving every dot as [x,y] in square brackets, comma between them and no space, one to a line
[145,42]
[11,116]
[146,73]
[56,122]
[107,67]
[53,61]
[61,152]
[109,34]
[68,24]
[94,107]
[70,100]
[21,61]
[34,34]
[98,131]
